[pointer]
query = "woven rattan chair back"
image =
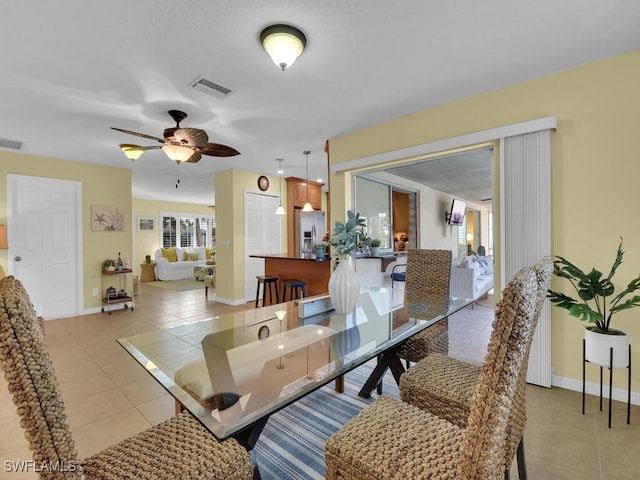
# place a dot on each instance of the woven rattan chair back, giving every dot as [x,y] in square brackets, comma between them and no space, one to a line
[176,448]
[32,382]
[484,443]
[518,416]
[428,271]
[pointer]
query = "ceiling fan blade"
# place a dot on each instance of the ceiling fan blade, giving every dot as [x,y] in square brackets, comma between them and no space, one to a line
[143,135]
[193,137]
[217,150]
[195,158]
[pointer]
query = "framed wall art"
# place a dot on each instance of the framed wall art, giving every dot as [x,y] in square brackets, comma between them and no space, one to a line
[107,218]
[146,224]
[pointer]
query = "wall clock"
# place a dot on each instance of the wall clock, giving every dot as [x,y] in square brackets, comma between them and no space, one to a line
[263,183]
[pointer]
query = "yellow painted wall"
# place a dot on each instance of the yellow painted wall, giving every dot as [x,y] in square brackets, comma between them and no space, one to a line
[146,243]
[100,186]
[230,188]
[595,172]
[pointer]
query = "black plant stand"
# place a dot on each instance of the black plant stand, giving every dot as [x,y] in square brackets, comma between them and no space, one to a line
[610,367]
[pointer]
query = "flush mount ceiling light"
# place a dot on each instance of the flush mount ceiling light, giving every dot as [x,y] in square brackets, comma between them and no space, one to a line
[283,43]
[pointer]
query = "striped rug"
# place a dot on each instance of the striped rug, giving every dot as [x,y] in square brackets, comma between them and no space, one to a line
[291,445]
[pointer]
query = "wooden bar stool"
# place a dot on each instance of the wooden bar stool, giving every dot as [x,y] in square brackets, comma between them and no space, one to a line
[297,288]
[267,282]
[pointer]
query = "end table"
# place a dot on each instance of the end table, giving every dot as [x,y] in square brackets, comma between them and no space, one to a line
[148,273]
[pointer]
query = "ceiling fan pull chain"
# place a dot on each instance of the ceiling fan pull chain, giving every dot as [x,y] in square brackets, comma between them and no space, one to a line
[177,174]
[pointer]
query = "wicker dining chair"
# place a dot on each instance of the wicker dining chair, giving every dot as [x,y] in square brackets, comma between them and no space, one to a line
[392,439]
[444,386]
[177,448]
[428,273]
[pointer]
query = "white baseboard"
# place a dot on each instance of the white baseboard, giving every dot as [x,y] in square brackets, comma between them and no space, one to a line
[228,301]
[619,394]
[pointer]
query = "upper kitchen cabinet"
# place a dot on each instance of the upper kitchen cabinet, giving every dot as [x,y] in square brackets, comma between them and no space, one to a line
[297,193]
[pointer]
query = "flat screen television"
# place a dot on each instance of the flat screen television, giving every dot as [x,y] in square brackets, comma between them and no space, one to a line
[458,209]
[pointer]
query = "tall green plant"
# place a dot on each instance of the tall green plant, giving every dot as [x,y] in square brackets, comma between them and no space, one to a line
[593,292]
[349,237]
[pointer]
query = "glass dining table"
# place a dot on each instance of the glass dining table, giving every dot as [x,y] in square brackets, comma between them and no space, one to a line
[233,371]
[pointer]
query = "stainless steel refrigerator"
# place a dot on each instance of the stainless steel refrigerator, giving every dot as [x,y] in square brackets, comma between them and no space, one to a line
[308,230]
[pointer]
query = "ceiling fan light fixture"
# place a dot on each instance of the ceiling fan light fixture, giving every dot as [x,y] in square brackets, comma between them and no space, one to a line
[284,43]
[177,153]
[132,152]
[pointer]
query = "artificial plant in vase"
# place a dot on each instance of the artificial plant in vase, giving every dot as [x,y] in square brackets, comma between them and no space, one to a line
[346,240]
[375,246]
[596,304]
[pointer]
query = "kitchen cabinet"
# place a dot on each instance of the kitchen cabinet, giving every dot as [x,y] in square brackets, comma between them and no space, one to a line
[297,193]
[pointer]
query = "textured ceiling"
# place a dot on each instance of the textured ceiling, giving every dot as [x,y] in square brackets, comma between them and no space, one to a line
[466,175]
[73,68]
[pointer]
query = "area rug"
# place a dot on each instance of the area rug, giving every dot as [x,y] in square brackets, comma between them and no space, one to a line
[178,285]
[291,445]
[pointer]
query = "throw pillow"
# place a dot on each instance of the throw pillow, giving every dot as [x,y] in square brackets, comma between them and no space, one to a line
[169,254]
[483,267]
[190,257]
[211,253]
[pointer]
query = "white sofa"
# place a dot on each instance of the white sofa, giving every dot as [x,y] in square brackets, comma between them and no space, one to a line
[471,278]
[182,269]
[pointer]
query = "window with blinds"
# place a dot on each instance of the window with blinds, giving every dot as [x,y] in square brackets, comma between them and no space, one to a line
[188,230]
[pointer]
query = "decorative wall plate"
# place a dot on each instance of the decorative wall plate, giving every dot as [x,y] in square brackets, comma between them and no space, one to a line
[263,183]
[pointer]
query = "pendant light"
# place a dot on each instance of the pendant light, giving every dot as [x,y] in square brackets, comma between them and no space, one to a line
[307,206]
[280,209]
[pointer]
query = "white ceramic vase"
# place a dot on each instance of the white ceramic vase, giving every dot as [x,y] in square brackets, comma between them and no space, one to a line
[344,288]
[597,349]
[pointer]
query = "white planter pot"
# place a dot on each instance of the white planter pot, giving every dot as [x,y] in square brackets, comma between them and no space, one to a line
[597,349]
[375,251]
[344,288]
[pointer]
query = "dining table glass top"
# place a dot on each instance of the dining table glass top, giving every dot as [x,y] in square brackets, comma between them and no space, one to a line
[234,370]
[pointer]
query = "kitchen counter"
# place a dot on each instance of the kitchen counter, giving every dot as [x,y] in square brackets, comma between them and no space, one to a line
[385,258]
[284,256]
[302,267]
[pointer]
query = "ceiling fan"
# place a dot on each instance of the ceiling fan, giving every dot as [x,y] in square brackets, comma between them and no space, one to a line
[180,144]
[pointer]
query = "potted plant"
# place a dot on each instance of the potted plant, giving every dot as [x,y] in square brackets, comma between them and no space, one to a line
[109,264]
[375,247]
[321,251]
[596,304]
[347,239]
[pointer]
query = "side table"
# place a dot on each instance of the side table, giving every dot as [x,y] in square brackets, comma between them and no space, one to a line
[148,273]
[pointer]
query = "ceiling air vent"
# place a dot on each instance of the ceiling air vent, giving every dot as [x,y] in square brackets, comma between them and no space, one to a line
[210,88]
[11,144]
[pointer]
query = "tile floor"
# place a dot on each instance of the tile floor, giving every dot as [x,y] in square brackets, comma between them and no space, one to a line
[108,397]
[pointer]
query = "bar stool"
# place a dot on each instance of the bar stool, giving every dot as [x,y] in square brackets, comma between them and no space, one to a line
[295,286]
[267,282]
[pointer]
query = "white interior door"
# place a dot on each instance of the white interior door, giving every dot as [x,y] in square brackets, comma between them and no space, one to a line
[262,236]
[44,242]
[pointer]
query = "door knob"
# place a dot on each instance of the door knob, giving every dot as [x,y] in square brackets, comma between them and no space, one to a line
[17,259]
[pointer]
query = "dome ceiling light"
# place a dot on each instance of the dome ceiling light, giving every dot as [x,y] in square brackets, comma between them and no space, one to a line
[284,43]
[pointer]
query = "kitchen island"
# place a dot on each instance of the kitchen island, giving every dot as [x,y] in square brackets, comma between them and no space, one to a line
[302,267]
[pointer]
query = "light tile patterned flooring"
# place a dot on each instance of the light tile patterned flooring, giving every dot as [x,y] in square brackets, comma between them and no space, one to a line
[109,397]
